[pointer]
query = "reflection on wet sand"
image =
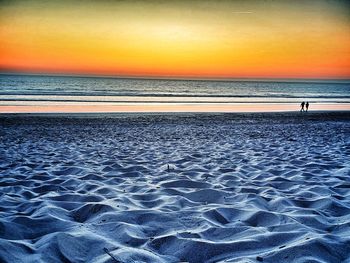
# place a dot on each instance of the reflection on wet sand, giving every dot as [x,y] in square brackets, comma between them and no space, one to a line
[169,107]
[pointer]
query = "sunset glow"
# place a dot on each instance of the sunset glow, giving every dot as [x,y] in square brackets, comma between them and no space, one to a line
[257,39]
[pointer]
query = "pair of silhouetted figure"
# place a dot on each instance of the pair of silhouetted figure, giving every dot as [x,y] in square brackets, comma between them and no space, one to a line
[306,105]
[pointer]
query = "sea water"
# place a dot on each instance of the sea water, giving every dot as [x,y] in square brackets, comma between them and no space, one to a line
[19,89]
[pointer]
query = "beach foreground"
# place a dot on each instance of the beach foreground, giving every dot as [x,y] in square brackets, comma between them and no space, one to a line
[271,187]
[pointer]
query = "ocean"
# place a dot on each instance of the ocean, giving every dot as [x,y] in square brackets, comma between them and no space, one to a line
[22,89]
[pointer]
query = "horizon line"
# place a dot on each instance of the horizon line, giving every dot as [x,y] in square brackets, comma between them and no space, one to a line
[169,77]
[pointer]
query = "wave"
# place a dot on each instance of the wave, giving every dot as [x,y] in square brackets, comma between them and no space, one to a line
[108,90]
[188,95]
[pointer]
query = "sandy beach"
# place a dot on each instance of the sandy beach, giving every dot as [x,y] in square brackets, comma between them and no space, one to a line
[239,187]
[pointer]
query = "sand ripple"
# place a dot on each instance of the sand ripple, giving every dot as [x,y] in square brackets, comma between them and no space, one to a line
[195,188]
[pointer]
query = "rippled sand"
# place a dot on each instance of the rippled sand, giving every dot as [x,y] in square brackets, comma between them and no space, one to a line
[168,188]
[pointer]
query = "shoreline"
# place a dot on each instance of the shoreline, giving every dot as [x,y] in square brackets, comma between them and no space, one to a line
[170,108]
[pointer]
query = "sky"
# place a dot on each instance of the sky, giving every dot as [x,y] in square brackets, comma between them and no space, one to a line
[194,39]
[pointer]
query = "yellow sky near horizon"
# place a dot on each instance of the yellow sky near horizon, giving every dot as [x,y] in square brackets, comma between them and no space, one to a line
[306,39]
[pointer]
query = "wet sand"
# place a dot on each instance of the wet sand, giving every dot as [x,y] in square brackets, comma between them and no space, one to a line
[75,107]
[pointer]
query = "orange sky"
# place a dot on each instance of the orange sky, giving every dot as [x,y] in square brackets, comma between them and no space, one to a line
[258,39]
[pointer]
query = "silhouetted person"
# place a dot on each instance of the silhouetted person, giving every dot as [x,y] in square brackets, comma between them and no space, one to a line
[307,106]
[302,106]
